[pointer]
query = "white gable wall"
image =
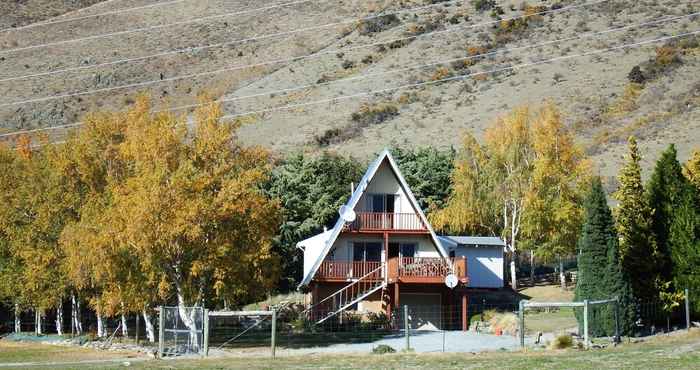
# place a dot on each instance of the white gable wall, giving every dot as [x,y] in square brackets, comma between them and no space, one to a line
[385,182]
[484,265]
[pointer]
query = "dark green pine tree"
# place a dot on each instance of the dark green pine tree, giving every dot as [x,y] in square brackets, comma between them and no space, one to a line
[684,244]
[600,275]
[665,193]
[310,190]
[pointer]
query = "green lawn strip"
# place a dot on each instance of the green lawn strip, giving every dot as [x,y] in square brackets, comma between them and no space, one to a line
[680,351]
[23,352]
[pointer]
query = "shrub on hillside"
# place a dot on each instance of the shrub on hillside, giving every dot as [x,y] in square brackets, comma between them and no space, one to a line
[636,75]
[372,114]
[378,24]
[483,5]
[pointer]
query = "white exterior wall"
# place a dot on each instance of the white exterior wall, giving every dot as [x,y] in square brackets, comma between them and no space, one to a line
[484,265]
[384,182]
[343,245]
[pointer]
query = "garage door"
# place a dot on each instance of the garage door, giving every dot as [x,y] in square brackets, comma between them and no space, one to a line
[424,311]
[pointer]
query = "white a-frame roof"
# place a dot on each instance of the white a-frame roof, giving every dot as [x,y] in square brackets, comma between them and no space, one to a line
[317,247]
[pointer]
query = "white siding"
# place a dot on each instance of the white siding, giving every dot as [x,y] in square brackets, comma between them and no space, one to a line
[342,248]
[484,265]
[385,182]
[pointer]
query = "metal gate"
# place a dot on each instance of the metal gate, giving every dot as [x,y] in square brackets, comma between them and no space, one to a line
[181,331]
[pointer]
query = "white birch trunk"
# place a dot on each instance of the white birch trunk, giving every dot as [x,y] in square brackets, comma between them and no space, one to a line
[562,278]
[125,330]
[59,318]
[187,318]
[18,322]
[100,325]
[513,278]
[37,324]
[75,315]
[150,332]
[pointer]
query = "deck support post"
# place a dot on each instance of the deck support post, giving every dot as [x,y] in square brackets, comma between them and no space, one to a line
[465,324]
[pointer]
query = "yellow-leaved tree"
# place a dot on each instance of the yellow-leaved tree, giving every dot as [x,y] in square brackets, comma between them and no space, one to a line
[521,184]
[190,208]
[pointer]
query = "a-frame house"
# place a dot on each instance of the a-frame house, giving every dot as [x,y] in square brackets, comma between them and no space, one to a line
[387,256]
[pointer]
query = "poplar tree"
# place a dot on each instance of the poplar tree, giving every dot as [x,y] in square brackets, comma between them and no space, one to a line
[665,191]
[691,169]
[684,243]
[600,275]
[638,252]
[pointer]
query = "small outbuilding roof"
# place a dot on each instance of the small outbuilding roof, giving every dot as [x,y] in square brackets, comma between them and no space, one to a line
[455,241]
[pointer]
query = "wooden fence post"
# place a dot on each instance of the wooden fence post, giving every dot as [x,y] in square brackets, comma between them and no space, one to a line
[617,320]
[521,319]
[406,328]
[687,310]
[136,339]
[273,339]
[585,322]
[161,332]
[206,332]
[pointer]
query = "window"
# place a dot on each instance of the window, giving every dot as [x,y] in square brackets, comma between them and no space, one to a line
[381,203]
[408,250]
[366,251]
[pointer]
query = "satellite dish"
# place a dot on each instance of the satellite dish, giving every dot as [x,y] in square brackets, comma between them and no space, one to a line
[451,281]
[347,214]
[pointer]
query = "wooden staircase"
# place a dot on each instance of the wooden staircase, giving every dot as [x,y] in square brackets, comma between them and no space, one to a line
[349,295]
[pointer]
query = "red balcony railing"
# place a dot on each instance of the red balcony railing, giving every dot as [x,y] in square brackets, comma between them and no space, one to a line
[348,270]
[387,221]
[423,267]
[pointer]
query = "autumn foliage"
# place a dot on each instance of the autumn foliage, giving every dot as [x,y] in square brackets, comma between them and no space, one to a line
[138,209]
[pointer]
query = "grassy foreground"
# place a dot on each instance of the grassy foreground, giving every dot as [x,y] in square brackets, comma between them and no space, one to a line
[678,351]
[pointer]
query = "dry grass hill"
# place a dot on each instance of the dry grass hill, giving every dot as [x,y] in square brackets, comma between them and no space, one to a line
[604,97]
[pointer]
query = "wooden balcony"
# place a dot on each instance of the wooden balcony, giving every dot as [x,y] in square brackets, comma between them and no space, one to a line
[382,221]
[425,269]
[404,269]
[343,271]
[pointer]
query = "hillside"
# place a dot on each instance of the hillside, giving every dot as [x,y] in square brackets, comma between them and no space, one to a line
[17,13]
[599,96]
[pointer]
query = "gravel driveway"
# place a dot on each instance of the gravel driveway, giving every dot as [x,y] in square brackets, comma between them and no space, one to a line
[423,341]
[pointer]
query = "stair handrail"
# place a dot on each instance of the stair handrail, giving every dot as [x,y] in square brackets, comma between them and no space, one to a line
[347,286]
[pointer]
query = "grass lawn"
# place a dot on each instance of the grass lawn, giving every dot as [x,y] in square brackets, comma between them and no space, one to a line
[548,293]
[550,322]
[22,352]
[679,351]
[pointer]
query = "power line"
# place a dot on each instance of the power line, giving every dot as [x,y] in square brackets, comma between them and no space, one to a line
[229,69]
[458,77]
[204,47]
[440,62]
[151,28]
[233,42]
[301,87]
[112,12]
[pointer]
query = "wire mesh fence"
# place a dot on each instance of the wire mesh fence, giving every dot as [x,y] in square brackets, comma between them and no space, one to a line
[181,330]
